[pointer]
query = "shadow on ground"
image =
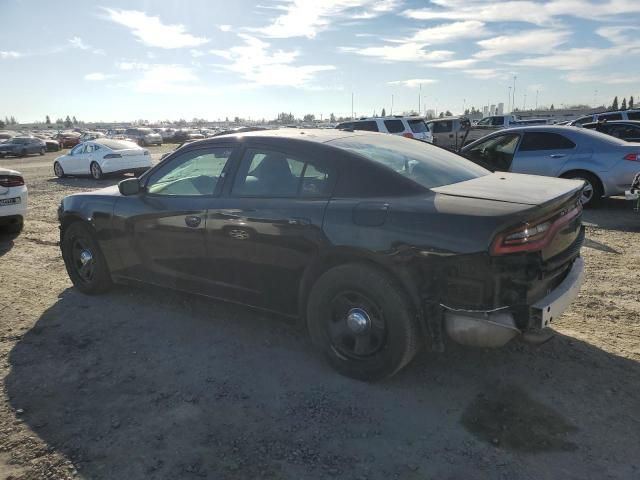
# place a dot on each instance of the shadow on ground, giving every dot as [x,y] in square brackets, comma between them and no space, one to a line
[7,241]
[152,384]
[613,214]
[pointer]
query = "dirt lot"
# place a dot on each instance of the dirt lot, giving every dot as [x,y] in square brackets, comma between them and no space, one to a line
[143,383]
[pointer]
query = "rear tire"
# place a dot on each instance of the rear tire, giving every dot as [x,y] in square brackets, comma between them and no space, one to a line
[23,153]
[362,322]
[96,171]
[593,191]
[42,151]
[15,228]
[84,261]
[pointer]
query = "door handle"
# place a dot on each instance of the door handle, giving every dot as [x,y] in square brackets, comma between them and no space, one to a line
[299,221]
[192,221]
[557,155]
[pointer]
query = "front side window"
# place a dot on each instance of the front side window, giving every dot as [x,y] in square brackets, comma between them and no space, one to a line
[394,126]
[268,173]
[533,141]
[445,126]
[496,153]
[610,116]
[583,120]
[76,150]
[194,173]
[418,126]
[633,115]
[497,121]
[485,121]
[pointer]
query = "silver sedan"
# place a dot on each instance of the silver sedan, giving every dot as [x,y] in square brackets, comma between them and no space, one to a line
[606,164]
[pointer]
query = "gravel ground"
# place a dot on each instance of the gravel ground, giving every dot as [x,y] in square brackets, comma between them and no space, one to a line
[145,383]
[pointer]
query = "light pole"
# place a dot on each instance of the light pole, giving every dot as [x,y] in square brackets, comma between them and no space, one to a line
[524,102]
[509,101]
[514,92]
[351,105]
[392,104]
[536,99]
[419,95]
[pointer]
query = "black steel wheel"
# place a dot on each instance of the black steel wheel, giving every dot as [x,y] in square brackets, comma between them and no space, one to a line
[362,321]
[83,259]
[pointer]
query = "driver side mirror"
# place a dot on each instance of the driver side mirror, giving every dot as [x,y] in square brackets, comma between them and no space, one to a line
[130,186]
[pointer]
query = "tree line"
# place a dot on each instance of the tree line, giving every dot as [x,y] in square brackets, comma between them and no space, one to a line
[623,106]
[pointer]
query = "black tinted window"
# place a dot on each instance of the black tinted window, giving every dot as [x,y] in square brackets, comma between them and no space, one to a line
[610,116]
[425,164]
[368,126]
[445,126]
[545,141]
[394,126]
[633,115]
[497,121]
[347,126]
[584,120]
[418,126]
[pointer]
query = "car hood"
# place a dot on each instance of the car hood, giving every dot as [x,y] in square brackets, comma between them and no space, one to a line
[512,188]
[111,191]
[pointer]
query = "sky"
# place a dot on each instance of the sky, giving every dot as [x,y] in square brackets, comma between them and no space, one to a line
[123,60]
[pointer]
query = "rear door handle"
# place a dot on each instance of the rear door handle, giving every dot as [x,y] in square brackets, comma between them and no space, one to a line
[192,221]
[557,155]
[299,221]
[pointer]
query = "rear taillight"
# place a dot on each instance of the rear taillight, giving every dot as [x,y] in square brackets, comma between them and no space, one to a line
[533,236]
[112,155]
[11,181]
[408,135]
[632,157]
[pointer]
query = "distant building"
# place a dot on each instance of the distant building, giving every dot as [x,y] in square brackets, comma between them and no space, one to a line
[431,113]
[485,111]
[500,110]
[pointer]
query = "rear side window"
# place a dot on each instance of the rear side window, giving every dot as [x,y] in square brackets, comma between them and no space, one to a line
[633,115]
[394,126]
[347,126]
[497,121]
[368,126]
[445,126]
[424,164]
[583,120]
[418,126]
[533,141]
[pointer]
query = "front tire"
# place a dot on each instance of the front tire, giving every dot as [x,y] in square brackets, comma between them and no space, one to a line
[362,322]
[58,171]
[42,151]
[15,227]
[84,261]
[23,153]
[96,171]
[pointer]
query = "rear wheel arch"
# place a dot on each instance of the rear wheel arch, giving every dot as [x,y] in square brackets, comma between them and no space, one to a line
[599,186]
[404,277]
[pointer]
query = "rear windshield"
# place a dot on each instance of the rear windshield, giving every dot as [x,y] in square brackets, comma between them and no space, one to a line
[425,164]
[145,130]
[116,144]
[418,126]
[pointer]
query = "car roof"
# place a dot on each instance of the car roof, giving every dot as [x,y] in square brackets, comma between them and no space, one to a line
[312,135]
[614,122]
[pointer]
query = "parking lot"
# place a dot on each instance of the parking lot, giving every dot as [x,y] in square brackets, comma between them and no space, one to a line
[145,383]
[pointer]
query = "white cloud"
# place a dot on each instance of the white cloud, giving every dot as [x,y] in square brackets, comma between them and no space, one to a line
[585,77]
[462,63]
[176,79]
[77,42]
[571,59]
[197,53]
[404,52]
[9,54]
[152,32]
[450,31]
[127,66]
[484,73]
[259,65]
[530,41]
[539,13]
[620,34]
[97,76]
[413,82]
[224,28]
[306,18]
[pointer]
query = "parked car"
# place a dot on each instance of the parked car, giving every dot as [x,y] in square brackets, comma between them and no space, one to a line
[606,164]
[487,125]
[165,133]
[607,116]
[449,132]
[67,139]
[22,146]
[633,193]
[378,243]
[13,201]
[629,130]
[410,127]
[103,156]
[86,136]
[143,136]
[50,144]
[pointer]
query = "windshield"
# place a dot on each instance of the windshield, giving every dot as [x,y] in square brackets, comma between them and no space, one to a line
[425,164]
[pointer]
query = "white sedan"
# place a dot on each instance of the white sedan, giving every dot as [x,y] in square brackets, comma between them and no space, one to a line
[102,156]
[13,200]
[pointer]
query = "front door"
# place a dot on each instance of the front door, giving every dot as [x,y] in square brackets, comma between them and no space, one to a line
[164,227]
[270,226]
[495,153]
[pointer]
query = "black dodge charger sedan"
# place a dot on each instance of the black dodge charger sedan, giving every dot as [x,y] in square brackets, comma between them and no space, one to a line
[381,244]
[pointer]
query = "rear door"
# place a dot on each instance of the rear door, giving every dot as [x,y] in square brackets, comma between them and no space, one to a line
[495,153]
[270,226]
[543,153]
[76,162]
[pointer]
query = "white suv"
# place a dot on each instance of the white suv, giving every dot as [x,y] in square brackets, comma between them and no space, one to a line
[13,200]
[609,116]
[410,127]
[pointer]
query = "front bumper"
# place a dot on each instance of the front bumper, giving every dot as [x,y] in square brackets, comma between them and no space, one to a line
[497,327]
